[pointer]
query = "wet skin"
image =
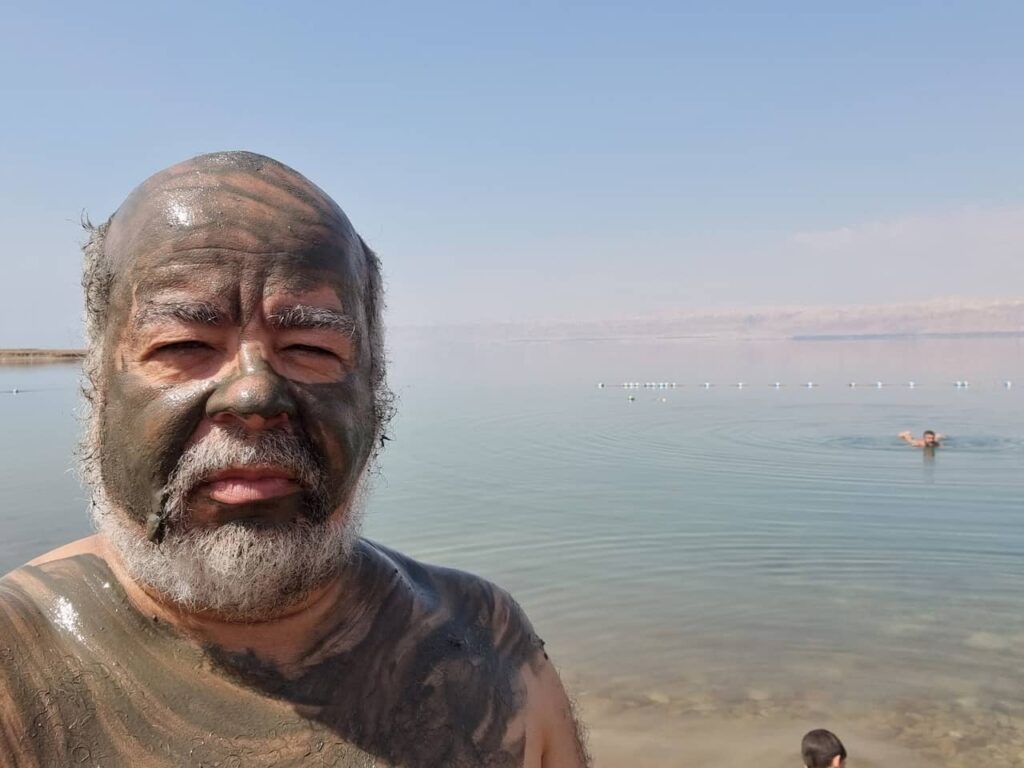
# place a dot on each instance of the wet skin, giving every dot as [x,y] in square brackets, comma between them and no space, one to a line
[237,301]
[432,668]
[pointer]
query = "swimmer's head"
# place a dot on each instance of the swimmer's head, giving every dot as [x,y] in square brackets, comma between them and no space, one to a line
[929,438]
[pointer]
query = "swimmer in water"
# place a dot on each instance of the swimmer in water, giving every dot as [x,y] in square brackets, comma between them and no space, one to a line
[928,439]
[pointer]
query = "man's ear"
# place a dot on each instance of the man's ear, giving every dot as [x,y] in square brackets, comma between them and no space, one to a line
[837,762]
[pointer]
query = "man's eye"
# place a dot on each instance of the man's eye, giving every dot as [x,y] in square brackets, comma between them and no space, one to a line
[183,346]
[309,349]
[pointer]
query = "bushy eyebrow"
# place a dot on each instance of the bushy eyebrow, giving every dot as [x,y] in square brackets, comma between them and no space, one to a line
[189,312]
[303,317]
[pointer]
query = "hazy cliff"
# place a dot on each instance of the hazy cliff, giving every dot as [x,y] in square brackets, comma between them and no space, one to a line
[938,317]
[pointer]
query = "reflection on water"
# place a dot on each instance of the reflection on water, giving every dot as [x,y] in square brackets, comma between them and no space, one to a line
[743,553]
[959,443]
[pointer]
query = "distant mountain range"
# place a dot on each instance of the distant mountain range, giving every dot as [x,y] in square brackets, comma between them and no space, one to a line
[938,317]
[958,317]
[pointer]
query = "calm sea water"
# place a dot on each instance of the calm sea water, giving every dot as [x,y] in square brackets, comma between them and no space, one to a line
[744,551]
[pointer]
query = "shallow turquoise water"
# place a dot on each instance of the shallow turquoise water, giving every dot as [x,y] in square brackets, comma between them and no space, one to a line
[718,539]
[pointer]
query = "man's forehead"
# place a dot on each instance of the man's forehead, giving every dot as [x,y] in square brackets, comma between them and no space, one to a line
[230,202]
[205,224]
[236,289]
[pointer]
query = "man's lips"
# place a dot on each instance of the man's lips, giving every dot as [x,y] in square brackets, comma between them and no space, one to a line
[244,485]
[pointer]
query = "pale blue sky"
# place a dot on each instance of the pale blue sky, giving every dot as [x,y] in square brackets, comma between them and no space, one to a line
[544,160]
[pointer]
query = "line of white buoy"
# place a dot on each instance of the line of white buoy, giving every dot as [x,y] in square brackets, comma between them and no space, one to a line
[641,385]
[743,385]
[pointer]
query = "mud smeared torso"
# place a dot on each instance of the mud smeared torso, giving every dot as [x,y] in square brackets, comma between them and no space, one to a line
[432,678]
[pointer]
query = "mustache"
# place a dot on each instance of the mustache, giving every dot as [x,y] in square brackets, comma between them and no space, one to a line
[227,447]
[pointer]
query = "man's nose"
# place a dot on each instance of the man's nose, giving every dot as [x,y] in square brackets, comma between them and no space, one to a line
[254,396]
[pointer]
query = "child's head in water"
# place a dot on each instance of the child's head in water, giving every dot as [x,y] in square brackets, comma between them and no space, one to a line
[823,749]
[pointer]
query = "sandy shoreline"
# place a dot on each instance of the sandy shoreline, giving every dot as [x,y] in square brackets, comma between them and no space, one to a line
[662,728]
[648,738]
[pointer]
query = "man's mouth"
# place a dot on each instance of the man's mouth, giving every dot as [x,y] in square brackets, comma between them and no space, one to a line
[245,485]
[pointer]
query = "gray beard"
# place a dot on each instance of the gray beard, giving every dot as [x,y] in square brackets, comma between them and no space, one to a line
[239,571]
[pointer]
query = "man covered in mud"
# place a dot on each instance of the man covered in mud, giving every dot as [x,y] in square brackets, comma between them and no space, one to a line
[227,613]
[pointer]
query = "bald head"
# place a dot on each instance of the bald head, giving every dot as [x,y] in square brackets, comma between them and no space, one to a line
[233,201]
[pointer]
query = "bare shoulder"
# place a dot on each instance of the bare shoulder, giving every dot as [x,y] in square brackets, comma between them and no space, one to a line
[464,599]
[90,545]
[486,622]
[32,656]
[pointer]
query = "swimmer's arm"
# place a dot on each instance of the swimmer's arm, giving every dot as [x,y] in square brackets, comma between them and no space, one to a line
[908,437]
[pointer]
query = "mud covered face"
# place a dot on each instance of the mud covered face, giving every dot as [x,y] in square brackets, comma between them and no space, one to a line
[236,310]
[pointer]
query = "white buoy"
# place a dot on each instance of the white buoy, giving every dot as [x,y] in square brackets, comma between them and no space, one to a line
[911,385]
[852,384]
[810,385]
[1008,384]
[600,385]
[879,385]
[777,385]
[673,385]
[706,385]
[739,385]
[14,391]
[631,398]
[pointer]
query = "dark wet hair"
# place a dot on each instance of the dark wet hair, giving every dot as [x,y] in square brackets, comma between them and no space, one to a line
[820,747]
[929,432]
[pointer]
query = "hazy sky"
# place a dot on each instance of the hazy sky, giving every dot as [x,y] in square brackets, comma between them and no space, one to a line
[543,159]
